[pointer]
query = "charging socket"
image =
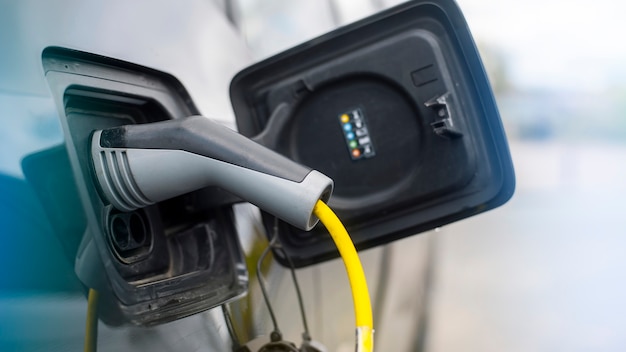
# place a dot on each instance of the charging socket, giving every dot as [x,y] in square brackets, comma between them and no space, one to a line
[162,262]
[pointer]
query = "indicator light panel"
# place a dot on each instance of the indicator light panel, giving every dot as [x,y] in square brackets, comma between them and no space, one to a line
[356,134]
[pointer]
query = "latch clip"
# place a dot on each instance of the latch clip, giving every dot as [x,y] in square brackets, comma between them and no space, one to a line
[444,125]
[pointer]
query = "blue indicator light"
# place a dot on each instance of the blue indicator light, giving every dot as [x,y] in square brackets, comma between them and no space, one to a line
[350,135]
[347,127]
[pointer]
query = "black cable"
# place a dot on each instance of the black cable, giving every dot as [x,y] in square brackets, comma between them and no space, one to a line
[276,332]
[307,334]
[275,245]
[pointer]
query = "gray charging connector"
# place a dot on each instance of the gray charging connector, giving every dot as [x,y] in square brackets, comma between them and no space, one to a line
[139,165]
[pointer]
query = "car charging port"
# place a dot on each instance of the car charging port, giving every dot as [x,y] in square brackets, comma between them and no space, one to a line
[130,235]
[166,260]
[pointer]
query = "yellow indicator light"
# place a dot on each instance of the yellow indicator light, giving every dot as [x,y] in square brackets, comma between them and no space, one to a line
[345,118]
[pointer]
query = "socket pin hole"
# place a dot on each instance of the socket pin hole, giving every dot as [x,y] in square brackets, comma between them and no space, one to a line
[120,233]
[137,229]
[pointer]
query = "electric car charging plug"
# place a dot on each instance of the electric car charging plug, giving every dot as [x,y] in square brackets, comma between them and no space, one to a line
[139,165]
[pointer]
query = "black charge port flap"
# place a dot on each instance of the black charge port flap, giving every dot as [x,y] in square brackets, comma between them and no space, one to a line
[397,110]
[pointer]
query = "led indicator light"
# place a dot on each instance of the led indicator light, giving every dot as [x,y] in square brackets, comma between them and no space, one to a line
[356,134]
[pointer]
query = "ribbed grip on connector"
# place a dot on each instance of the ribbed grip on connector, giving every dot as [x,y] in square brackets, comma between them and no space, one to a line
[115,178]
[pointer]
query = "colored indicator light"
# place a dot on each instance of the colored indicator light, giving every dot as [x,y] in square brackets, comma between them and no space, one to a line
[356,134]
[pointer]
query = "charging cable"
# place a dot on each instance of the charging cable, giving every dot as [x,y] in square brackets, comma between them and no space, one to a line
[360,293]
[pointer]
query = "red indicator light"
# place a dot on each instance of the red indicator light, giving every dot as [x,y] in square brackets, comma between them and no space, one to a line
[356,153]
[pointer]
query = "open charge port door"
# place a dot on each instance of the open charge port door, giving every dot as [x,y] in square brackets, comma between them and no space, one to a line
[397,110]
[161,262]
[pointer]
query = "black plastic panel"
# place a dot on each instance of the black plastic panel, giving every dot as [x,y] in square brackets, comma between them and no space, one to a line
[438,149]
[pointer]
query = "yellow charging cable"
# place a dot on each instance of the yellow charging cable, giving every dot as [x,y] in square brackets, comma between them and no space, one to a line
[91,328]
[360,293]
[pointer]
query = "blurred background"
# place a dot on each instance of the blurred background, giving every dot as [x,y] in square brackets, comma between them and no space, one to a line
[545,272]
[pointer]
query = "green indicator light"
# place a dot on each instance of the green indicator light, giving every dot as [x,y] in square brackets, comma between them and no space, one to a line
[353,144]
